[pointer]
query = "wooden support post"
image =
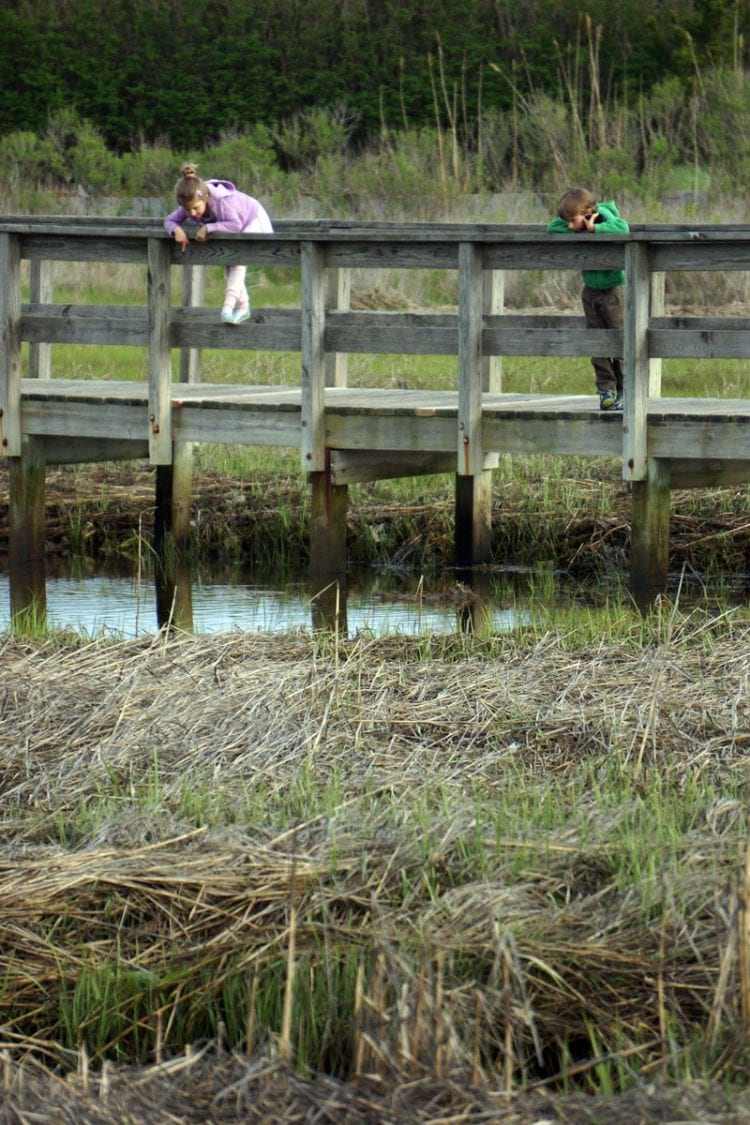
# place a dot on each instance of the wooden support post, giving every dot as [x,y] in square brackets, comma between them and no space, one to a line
[328,509]
[26,487]
[40,355]
[649,536]
[172,512]
[493,301]
[159,352]
[174,605]
[193,292]
[473,509]
[10,345]
[338,296]
[473,519]
[636,371]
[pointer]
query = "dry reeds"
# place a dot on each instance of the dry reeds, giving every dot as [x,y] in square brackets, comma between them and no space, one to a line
[454,865]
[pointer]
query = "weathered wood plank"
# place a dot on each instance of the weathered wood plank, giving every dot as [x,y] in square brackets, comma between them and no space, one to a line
[63,451]
[313,375]
[10,346]
[41,292]
[77,247]
[26,531]
[699,439]
[635,363]
[685,343]
[193,294]
[159,353]
[470,453]
[656,309]
[707,474]
[492,304]
[649,533]
[700,255]
[85,324]
[338,298]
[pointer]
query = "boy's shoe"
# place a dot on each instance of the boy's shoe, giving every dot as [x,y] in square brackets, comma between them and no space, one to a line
[240,316]
[610,400]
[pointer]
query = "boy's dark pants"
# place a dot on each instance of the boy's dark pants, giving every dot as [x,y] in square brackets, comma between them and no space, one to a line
[603,309]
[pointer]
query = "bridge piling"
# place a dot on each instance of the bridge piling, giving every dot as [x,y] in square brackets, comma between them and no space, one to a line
[26,489]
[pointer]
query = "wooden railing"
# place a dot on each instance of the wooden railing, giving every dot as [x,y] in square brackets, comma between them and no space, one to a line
[320,329]
[658,440]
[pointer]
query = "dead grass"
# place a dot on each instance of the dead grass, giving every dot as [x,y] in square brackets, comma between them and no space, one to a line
[484,869]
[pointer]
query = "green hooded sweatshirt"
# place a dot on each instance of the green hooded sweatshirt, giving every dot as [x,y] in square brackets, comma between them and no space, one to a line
[608,222]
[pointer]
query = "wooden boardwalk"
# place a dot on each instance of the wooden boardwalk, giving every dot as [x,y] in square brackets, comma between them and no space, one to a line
[70,415]
[346,435]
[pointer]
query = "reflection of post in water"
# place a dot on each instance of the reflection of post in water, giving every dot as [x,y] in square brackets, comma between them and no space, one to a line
[329,608]
[172,575]
[174,595]
[474,608]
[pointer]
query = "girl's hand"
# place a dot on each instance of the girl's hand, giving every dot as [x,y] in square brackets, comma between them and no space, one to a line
[201,234]
[179,236]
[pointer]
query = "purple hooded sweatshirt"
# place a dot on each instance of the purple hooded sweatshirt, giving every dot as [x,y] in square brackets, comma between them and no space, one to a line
[228,210]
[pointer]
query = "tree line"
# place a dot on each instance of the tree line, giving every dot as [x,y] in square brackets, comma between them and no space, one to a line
[180,73]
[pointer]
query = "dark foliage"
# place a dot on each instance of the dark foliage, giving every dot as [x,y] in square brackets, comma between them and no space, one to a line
[180,72]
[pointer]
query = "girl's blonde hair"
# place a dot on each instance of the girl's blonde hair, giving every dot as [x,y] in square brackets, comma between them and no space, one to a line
[575,201]
[190,187]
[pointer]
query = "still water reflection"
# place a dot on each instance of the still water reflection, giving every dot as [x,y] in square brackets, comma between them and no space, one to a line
[126,605]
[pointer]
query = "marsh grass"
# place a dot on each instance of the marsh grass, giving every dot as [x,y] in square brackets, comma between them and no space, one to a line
[438,858]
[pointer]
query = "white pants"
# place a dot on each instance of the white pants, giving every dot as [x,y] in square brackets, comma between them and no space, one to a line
[236,295]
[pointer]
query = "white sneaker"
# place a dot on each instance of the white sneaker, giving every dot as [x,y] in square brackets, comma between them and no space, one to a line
[227,316]
[240,316]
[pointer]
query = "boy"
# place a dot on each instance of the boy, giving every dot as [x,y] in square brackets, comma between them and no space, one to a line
[579,213]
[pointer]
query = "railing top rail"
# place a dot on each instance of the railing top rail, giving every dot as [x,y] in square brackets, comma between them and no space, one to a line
[343,231]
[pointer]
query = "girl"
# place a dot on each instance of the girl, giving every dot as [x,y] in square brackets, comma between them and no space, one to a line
[217,205]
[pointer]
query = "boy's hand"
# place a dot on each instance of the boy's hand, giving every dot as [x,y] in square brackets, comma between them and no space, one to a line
[583,223]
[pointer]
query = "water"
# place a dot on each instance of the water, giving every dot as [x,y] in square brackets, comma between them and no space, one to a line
[94,599]
[125,606]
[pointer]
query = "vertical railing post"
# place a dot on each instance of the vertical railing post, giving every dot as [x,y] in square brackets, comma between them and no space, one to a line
[40,285]
[338,296]
[473,526]
[159,352]
[635,362]
[493,302]
[658,286]
[328,502]
[10,345]
[313,357]
[193,291]
[470,451]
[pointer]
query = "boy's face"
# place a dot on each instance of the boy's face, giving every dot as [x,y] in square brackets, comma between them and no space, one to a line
[581,218]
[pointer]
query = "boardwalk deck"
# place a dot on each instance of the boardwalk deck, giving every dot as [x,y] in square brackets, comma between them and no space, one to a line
[391,421]
[343,434]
